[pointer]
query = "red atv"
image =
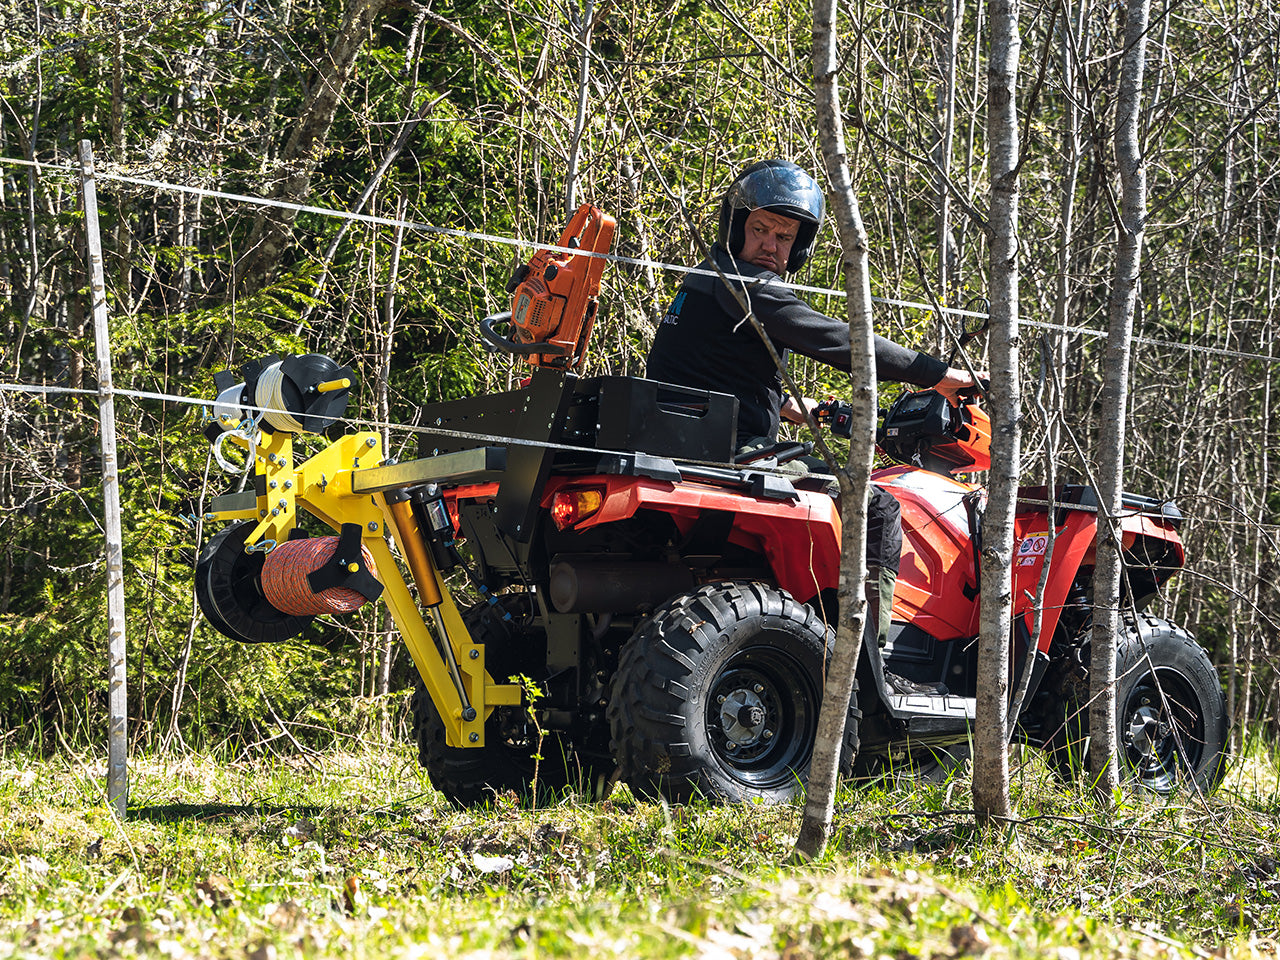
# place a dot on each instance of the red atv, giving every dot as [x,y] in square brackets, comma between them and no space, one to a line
[677,614]
[672,610]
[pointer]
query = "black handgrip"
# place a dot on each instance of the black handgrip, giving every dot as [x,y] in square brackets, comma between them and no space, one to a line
[782,452]
[497,341]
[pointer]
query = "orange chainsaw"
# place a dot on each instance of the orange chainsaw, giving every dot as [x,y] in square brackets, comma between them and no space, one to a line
[555,296]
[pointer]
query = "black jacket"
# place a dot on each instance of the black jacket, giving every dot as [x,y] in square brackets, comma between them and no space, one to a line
[703,342]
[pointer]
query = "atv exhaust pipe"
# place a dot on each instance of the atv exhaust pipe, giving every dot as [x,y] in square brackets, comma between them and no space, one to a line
[590,584]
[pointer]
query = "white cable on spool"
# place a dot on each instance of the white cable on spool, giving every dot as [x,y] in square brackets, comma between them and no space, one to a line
[270,396]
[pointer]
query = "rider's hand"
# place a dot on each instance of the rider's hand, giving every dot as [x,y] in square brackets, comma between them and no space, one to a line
[955,382]
[792,413]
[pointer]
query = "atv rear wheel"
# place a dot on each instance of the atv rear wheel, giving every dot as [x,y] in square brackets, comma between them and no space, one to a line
[1171,714]
[718,695]
[469,776]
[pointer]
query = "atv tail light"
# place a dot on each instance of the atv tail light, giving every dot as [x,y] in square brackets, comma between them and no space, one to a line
[569,507]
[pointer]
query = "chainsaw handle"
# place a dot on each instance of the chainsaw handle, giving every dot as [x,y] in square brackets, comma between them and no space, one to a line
[497,341]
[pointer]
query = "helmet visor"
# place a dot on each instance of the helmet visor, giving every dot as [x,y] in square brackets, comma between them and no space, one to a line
[786,190]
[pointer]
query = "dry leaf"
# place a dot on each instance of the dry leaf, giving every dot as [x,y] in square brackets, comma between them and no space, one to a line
[492,864]
[214,891]
[970,938]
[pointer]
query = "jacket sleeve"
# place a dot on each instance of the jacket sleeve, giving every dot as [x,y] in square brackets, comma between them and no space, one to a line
[792,323]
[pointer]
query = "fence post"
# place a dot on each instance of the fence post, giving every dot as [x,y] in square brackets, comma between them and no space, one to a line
[118,744]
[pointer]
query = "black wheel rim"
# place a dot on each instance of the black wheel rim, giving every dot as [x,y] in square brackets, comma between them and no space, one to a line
[1161,730]
[761,716]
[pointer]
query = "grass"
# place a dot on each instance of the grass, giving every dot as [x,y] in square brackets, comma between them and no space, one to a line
[353,855]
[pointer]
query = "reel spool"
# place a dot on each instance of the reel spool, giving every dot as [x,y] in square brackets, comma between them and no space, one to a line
[311,576]
[296,394]
[229,590]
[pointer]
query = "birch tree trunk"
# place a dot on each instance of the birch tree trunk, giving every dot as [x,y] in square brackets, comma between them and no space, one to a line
[991,729]
[854,478]
[1115,394]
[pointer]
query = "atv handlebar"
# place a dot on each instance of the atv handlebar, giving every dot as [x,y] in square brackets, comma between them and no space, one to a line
[836,416]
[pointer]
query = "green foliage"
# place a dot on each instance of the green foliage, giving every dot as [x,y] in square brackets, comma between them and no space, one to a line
[682,94]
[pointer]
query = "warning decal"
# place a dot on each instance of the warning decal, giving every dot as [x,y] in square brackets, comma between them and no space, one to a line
[1032,546]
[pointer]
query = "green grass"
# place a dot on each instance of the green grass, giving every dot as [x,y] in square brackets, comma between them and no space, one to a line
[353,855]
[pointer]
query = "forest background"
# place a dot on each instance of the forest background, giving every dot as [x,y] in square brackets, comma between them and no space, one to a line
[494,119]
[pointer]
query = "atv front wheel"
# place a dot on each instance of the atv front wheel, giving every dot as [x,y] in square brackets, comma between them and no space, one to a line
[1171,715]
[468,776]
[717,695]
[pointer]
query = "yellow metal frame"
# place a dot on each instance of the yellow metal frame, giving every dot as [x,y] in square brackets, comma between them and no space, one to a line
[322,485]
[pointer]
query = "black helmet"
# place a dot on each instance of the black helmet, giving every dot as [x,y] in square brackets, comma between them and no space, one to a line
[778,186]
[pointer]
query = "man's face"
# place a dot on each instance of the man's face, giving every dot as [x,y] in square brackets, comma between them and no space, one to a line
[769,237]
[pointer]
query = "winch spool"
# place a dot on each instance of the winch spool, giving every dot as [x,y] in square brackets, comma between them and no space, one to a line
[288,577]
[296,394]
[303,394]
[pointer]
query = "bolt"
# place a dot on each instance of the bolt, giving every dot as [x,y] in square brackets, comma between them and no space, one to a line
[271,458]
[284,464]
[283,504]
[474,738]
[288,484]
[373,526]
[275,512]
[272,484]
[468,715]
[439,421]
[262,513]
[371,442]
[474,654]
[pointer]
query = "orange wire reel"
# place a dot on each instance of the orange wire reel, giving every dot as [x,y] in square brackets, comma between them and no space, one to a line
[267,597]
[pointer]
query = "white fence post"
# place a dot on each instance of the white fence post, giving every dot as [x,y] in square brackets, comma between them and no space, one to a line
[118,743]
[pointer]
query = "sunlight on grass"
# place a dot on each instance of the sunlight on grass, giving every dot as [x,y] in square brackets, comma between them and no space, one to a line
[353,855]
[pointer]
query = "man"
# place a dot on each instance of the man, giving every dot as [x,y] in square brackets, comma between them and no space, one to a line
[769,221]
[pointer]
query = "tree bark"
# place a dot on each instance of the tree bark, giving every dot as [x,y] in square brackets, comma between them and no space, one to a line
[991,732]
[306,144]
[855,477]
[1115,394]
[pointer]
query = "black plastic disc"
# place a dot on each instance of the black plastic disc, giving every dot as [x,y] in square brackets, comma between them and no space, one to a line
[229,591]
